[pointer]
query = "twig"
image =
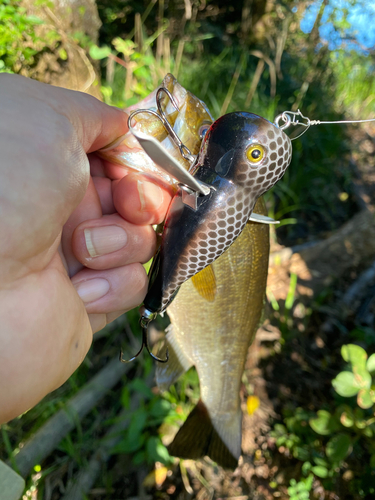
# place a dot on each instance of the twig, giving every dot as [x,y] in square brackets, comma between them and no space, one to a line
[255,81]
[180,51]
[271,65]
[233,83]
[45,440]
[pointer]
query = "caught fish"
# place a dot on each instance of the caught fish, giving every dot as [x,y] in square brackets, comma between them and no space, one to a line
[242,156]
[190,122]
[214,318]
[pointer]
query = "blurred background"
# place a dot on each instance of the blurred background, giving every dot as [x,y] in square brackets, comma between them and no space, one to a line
[303,436]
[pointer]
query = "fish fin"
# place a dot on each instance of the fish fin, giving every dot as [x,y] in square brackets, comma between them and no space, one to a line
[198,437]
[262,219]
[205,283]
[178,362]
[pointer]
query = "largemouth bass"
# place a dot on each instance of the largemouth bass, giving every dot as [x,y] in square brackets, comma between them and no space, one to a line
[214,318]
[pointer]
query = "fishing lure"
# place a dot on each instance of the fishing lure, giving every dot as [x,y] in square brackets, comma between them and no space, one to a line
[241,157]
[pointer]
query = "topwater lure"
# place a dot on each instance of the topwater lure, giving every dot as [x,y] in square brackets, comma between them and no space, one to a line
[241,157]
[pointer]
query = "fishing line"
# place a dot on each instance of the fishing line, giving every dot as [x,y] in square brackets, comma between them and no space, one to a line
[291,118]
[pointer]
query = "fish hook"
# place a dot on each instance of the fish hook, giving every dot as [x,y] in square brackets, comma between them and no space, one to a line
[184,150]
[146,317]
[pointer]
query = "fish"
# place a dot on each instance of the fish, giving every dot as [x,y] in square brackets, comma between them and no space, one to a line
[190,122]
[241,157]
[216,312]
[214,318]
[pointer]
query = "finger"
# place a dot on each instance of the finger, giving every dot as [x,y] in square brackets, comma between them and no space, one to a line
[89,208]
[96,166]
[103,187]
[111,290]
[111,242]
[99,321]
[140,200]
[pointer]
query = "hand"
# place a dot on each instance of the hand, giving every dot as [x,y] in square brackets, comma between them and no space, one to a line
[74,233]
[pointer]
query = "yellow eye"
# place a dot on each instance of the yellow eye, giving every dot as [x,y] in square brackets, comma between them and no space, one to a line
[255,153]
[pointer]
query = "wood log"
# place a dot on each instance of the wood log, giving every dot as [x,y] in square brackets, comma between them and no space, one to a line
[319,264]
[45,440]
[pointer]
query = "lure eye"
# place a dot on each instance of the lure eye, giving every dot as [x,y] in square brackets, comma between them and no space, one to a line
[203,130]
[255,153]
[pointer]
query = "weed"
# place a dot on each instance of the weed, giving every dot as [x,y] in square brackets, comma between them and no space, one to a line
[350,428]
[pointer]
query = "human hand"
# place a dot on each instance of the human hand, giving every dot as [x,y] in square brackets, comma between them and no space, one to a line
[74,233]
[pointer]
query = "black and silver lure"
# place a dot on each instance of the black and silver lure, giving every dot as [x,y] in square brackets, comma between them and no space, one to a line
[242,156]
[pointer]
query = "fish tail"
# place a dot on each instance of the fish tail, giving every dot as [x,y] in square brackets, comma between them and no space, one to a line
[198,438]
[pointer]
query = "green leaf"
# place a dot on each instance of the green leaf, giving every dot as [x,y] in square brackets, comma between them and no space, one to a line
[320,471]
[99,52]
[160,408]
[367,431]
[355,355]
[364,398]
[362,377]
[130,444]
[125,397]
[324,423]
[301,453]
[347,419]
[63,54]
[321,461]
[345,384]
[339,447]
[306,467]
[156,451]
[372,461]
[370,365]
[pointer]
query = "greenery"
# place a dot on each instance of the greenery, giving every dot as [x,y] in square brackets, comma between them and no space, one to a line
[325,439]
[20,46]
[234,59]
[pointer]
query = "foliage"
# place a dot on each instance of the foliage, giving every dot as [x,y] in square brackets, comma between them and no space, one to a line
[18,39]
[324,440]
[140,440]
[300,490]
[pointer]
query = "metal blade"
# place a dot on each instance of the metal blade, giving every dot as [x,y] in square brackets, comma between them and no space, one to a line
[166,162]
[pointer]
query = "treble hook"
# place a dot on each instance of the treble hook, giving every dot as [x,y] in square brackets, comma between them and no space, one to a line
[146,317]
[184,150]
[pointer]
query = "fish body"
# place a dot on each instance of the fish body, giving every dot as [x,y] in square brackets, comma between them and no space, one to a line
[212,330]
[190,123]
[241,157]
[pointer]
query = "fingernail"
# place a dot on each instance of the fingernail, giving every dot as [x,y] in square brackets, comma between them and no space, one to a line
[150,195]
[91,290]
[105,239]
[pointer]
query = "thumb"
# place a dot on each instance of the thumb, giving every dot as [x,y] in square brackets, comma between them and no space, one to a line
[96,123]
